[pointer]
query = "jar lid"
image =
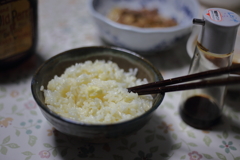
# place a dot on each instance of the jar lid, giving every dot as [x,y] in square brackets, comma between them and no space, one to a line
[219,30]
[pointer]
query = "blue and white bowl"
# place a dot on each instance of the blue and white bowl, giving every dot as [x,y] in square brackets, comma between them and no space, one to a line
[144,40]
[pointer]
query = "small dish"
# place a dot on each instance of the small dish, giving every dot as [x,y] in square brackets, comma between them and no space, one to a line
[145,41]
[95,133]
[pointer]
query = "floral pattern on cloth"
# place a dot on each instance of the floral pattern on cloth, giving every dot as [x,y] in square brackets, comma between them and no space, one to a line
[228,146]
[195,155]
[30,105]
[5,122]
[44,154]
[26,135]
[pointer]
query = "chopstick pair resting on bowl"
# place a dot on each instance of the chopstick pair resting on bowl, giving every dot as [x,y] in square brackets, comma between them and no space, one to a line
[168,85]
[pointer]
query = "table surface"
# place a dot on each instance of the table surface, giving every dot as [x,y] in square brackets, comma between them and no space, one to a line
[26,135]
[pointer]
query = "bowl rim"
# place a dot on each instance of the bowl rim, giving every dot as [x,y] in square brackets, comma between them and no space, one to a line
[82,124]
[138,29]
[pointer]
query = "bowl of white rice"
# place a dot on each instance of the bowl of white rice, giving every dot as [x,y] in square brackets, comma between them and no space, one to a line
[83,92]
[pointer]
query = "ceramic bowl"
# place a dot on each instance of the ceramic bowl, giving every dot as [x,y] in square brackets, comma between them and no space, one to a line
[144,40]
[191,44]
[92,132]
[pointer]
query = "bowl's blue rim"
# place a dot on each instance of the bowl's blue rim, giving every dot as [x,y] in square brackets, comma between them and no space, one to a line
[47,110]
[141,30]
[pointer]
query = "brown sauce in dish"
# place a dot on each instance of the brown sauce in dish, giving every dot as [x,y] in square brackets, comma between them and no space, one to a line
[143,18]
[200,112]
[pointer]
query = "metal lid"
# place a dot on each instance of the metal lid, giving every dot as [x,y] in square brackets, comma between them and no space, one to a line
[219,30]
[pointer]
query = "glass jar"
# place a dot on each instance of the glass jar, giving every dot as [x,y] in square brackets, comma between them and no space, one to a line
[202,108]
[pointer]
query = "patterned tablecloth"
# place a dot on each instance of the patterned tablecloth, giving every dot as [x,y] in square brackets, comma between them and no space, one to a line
[26,135]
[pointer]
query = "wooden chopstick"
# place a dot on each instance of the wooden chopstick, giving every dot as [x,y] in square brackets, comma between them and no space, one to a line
[154,87]
[187,86]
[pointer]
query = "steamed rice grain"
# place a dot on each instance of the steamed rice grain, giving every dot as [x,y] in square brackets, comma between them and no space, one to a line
[96,92]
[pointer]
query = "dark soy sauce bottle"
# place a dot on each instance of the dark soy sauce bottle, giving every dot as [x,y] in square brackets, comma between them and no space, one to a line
[202,108]
[18,31]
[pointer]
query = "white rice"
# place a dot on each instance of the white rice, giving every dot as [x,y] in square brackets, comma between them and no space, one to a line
[96,92]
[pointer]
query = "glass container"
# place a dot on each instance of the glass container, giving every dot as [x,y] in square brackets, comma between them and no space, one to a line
[202,108]
[18,30]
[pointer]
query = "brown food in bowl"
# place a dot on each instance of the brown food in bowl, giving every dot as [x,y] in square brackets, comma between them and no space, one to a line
[143,18]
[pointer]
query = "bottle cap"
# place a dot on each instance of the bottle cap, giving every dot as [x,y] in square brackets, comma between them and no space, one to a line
[219,30]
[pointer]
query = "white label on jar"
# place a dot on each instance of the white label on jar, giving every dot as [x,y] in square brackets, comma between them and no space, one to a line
[215,15]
